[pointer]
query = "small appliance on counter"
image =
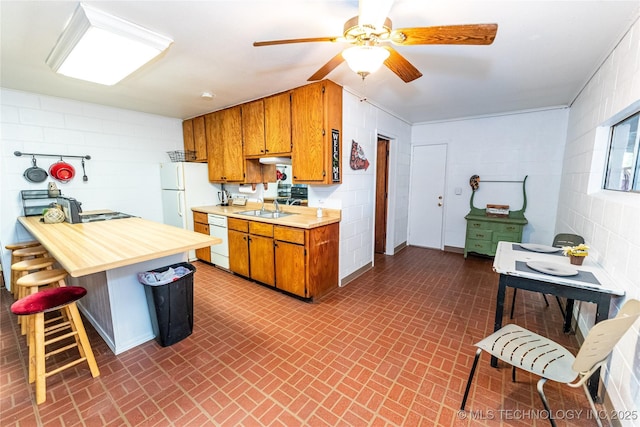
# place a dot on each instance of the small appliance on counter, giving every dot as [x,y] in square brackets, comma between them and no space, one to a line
[71,208]
[73,212]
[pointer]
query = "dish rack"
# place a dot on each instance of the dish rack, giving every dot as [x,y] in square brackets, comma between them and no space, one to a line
[34,202]
[182,155]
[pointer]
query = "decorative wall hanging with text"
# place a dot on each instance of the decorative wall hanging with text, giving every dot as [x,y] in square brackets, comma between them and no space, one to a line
[358,159]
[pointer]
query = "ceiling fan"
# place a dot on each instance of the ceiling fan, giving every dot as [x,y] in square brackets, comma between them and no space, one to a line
[371,34]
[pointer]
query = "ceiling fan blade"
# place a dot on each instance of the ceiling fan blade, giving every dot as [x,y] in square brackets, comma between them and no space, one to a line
[399,65]
[477,34]
[289,41]
[327,68]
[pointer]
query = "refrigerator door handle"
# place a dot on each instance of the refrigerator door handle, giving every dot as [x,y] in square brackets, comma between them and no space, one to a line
[179,183]
[180,207]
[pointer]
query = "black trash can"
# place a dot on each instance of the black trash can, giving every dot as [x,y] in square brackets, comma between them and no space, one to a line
[170,304]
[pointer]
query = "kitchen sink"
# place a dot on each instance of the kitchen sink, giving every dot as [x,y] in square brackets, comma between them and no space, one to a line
[265,214]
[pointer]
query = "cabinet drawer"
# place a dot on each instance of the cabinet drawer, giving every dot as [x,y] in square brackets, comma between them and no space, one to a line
[261,229]
[506,237]
[474,225]
[508,228]
[201,228]
[288,234]
[479,234]
[238,224]
[200,217]
[480,246]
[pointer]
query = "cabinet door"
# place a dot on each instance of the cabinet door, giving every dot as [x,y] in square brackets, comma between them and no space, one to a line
[261,259]
[202,253]
[232,145]
[187,135]
[239,252]
[290,268]
[277,121]
[307,113]
[253,128]
[215,145]
[199,139]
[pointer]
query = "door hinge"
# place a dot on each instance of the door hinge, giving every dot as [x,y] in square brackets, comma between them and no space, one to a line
[324,173]
[305,251]
[323,132]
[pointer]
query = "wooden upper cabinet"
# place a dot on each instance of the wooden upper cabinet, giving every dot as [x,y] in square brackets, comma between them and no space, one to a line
[316,119]
[253,128]
[224,145]
[277,124]
[193,131]
[266,126]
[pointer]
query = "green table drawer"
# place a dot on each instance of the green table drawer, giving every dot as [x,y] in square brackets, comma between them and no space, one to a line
[506,237]
[508,228]
[480,246]
[479,234]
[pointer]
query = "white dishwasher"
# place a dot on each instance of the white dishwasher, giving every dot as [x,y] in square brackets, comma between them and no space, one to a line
[218,228]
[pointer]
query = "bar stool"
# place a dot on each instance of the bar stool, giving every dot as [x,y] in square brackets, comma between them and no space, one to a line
[21,268]
[22,254]
[31,283]
[14,247]
[34,307]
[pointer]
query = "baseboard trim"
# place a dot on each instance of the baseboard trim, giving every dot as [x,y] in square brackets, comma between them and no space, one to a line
[351,277]
[453,249]
[400,247]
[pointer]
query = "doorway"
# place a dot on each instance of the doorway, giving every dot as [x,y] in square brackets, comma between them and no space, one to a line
[426,197]
[382,191]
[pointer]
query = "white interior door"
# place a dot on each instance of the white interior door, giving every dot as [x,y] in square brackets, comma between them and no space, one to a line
[426,199]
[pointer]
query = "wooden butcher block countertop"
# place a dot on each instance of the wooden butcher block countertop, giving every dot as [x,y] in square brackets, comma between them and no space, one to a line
[92,247]
[304,217]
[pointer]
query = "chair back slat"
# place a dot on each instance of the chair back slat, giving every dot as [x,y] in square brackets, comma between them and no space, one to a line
[604,336]
[567,239]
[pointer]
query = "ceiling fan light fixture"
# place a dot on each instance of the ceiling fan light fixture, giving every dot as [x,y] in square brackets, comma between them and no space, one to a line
[365,60]
[103,48]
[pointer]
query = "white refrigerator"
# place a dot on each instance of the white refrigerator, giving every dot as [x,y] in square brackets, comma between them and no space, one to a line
[185,185]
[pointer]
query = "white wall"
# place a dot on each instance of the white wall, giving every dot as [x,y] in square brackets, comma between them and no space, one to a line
[609,221]
[126,148]
[363,122]
[506,147]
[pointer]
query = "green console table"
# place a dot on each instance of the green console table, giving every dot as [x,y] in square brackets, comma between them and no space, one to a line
[484,232]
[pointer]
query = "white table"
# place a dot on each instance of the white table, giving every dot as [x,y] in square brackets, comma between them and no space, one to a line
[592,284]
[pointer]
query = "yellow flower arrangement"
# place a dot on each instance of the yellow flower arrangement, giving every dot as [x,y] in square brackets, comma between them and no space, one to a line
[580,250]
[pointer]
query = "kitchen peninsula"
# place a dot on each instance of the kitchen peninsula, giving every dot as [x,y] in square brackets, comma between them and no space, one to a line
[104,257]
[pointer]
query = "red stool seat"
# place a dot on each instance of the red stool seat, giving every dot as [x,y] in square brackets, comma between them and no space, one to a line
[34,307]
[47,300]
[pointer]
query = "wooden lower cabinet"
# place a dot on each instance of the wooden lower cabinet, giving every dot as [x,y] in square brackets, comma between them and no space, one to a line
[201,225]
[302,262]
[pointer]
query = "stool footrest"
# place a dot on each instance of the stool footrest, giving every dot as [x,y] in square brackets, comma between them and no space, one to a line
[57,327]
[67,366]
[60,338]
[60,350]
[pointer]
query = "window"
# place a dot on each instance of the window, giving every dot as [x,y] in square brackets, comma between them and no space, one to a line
[623,165]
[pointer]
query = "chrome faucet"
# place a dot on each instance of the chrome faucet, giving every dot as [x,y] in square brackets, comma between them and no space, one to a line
[277,206]
[261,201]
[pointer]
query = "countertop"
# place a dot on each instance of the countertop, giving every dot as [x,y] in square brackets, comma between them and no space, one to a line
[88,248]
[305,217]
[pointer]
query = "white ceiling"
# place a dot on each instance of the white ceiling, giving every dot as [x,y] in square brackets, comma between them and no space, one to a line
[543,54]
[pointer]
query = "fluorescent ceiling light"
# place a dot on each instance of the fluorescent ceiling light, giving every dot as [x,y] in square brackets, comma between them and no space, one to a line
[103,48]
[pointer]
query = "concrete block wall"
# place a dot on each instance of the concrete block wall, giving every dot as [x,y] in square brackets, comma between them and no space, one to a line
[609,221]
[501,148]
[126,148]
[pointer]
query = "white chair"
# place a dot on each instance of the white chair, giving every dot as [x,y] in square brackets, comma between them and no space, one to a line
[539,355]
